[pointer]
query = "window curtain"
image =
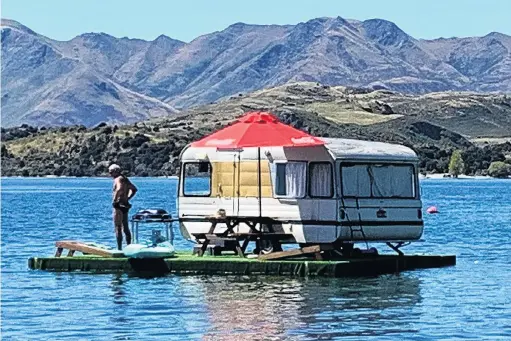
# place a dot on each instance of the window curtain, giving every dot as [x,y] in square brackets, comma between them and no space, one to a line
[382,179]
[289,179]
[356,181]
[392,181]
[378,181]
[296,179]
[321,180]
[403,181]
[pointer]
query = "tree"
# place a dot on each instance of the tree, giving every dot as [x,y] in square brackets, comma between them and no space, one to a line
[5,152]
[456,165]
[499,169]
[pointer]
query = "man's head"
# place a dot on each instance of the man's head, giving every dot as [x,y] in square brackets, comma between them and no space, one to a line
[114,170]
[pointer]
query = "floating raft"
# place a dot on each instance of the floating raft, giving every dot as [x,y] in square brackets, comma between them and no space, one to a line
[186,263]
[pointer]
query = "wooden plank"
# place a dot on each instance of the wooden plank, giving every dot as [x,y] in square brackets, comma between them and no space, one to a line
[244,245]
[213,226]
[89,249]
[212,237]
[318,256]
[203,248]
[296,252]
[239,251]
[268,235]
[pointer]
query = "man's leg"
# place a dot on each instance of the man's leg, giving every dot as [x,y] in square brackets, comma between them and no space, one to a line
[118,227]
[126,226]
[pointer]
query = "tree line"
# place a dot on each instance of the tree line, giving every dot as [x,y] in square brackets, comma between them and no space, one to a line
[153,150]
[462,162]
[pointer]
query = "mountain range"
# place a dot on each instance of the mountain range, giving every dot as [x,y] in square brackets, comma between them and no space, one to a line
[432,124]
[96,77]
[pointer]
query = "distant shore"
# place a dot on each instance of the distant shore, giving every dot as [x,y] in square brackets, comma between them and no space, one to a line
[435,176]
[447,176]
[173,177]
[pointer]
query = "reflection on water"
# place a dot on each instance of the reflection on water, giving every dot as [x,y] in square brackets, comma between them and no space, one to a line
[241,307]
[256,308]
[118,292]
[469,301]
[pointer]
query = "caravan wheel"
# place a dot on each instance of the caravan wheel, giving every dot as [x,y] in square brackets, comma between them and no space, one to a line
[268,246]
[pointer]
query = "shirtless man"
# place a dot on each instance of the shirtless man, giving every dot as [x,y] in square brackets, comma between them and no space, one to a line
[123,191]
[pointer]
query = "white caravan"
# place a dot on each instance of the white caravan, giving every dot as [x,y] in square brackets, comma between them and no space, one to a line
[346,191]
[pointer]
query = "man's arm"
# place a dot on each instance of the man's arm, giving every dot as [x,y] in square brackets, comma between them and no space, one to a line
[117,190]
[132,190]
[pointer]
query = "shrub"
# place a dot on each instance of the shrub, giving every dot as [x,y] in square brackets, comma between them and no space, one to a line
[106,130]
[499,169]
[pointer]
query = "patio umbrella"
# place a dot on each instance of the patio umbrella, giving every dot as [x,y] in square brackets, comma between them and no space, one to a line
[258,129]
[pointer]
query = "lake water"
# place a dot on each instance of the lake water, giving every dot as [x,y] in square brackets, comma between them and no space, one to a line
[471,301]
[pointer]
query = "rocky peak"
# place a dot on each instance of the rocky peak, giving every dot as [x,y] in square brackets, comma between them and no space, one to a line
[384,32]
[498,35]
[166,42]
[96,37]
[239,26]
[504,39]
[13,24]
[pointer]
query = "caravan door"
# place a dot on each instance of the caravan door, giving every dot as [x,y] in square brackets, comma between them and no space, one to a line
[225,183]
[323,204]
[306,195]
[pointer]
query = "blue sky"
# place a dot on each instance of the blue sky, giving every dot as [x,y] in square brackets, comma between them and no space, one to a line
[188,19]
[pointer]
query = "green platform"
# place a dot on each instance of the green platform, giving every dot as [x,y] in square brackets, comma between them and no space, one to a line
[185,263]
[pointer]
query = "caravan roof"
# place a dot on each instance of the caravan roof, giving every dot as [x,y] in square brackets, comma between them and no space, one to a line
[358,149]
[335,148]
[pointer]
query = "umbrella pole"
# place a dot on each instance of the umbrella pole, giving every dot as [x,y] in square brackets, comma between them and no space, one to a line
[259,182]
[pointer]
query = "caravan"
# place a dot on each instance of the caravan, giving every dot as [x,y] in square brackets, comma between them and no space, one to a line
[344,191]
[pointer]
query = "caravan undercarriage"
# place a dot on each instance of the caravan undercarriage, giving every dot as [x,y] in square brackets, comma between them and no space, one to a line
[397,246]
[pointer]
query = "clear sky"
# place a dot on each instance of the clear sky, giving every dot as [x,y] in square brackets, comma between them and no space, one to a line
[188,19]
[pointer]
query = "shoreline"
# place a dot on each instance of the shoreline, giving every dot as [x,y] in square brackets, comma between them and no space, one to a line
[446,176]
[172,177]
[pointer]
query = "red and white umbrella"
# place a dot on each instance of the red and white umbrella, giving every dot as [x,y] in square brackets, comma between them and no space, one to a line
[258,129]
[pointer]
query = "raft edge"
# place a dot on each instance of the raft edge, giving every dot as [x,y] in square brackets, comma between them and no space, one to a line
[227,265]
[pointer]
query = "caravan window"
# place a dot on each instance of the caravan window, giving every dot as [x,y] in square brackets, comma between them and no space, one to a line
[320,180]
[290,179]
[197,179]
[378,180]
[355,181]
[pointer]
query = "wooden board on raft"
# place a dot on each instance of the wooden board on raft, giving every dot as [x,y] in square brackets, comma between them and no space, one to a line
[314,249]
[74,246]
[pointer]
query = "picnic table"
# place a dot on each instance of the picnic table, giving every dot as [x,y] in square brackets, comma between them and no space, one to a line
[230,239]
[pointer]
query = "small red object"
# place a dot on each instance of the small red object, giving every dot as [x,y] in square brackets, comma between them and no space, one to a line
[432,209]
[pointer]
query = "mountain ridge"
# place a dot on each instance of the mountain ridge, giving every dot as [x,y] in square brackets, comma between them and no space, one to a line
[160,77]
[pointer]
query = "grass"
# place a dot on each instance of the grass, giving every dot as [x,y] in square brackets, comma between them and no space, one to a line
[154,138]
[52,142]
[185,256]
[335,112]
[490,140]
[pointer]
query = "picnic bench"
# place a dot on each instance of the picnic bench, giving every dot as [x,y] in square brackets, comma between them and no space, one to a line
[236,241]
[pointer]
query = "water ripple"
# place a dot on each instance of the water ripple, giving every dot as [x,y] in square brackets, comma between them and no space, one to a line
[471,301]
